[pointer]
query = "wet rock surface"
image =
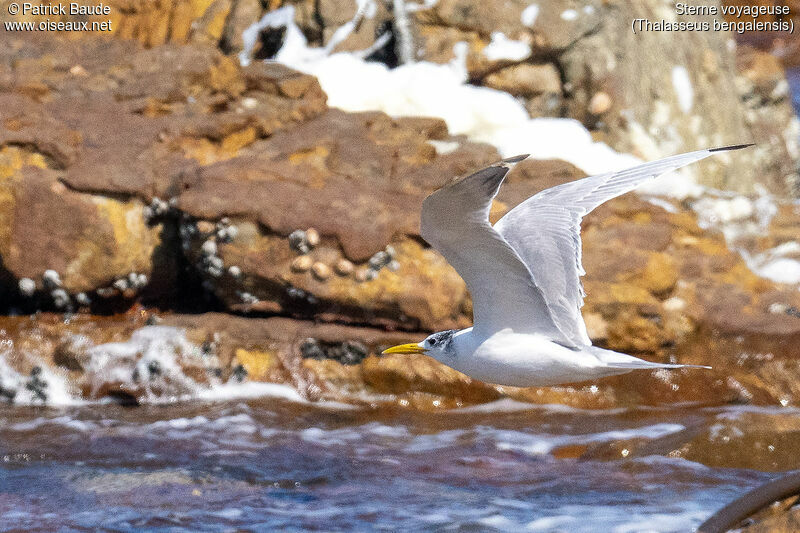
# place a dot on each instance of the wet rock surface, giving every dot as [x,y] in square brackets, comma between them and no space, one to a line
[783,517]
[190,182]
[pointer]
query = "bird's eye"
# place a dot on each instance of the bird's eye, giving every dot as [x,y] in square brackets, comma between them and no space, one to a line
[432,342]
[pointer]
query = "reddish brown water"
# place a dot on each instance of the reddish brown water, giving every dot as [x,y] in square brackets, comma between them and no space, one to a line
[272,464]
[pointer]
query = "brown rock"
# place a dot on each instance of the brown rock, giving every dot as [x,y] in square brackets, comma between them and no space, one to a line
[605,93]
[327,17]
[399,374]
[89,241]
[783,517]
[107,142]
[209,28]
[243,13]
[760,442]
[526,80]
[314,186]
[762,70]
[259,364]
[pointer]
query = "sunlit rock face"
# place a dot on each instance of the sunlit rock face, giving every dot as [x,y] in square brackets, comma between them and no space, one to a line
[172,175]
[562,58]
[92,161]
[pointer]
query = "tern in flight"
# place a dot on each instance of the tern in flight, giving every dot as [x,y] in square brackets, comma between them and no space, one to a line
[523,274]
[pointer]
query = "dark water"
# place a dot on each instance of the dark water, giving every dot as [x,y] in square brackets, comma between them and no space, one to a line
[271,464]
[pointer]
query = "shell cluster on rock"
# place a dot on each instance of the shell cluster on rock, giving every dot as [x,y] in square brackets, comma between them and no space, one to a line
[321,271]
[385,258]
[209,261]
[52,285]
[127,287]
[302,263]
[27,287]
[298,242]
[344,267]
[225,231]
[304,241]
[158,208]
[299,295]
[246,297]
[348,352]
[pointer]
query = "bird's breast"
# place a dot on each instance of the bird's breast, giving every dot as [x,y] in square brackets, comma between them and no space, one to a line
[521,360]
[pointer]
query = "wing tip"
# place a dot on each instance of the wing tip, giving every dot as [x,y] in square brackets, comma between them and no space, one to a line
[732,147]
[515,159]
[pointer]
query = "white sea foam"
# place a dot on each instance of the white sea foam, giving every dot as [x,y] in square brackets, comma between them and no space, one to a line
[444,147]
[251,390]
[569,14]
[774,265]
[543,444]
[529,15]
[717,211]
[503,48]
[63,421]
[434,90]
[56,390]
[682,85]
[153,362]
[550,523]
[508,405]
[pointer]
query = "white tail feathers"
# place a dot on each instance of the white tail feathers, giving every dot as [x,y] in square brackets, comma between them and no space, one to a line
[620,360]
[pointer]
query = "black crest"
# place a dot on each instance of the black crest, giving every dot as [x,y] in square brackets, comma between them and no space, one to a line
[442,340]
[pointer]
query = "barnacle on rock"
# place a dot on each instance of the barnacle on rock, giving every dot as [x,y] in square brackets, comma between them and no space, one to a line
[60,298]
[302,263]
[344,267]
[321,271]
[51,279]
[298,242]
[27,287]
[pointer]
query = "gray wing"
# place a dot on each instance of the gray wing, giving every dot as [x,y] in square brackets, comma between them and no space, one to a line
[455,221]
[544,230]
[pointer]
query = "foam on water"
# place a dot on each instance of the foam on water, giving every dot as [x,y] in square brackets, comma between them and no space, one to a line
[543,444]
[158,364]
[48,387]
[250,390]
[508,405]
[529,443]
[272,466]
[153,358]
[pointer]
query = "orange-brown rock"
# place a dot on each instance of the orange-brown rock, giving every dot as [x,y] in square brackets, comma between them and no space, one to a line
[784,517]
[106,140]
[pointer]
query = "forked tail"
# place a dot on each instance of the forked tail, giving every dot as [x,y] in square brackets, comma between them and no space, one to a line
[614,359]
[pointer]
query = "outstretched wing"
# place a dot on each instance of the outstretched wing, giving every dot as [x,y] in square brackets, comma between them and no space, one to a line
[544,231]
[455,221]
